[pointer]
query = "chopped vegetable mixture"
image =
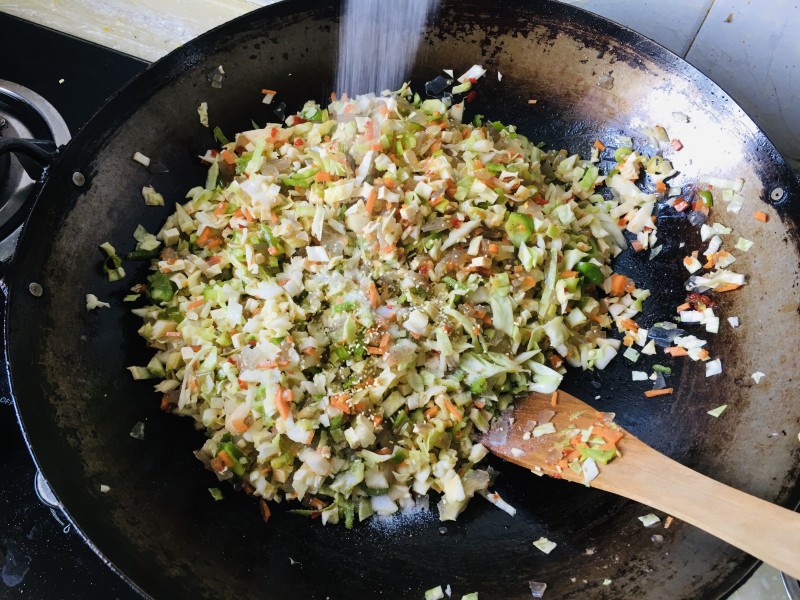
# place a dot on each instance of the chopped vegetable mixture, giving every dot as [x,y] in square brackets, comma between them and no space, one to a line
[355,293]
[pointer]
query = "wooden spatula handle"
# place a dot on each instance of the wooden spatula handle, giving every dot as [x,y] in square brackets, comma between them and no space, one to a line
[762,529]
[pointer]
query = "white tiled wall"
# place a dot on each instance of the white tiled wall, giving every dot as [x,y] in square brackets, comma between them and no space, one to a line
[756,59]
[671,23]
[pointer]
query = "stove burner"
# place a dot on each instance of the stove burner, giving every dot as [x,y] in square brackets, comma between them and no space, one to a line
[23,114]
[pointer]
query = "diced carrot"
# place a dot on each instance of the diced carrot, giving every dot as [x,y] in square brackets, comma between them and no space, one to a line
[195,304]
[265,512]
[682,307]
[479,404]
[728,287]
[239,425]
[618,283]
[568,274]
[612,436]
[630,286]
[661,187]
[676,351]
[226,458]
[452,409]
[208,238]
[375,350]
[668,522]
[220,210]
[388,182]
[385,339]
[702,354]
[599,145]
[377,420]
[637,245]
[282,402]
[760,216]
[680,204]
[431,412]
[370,204]
[493,248]
[629,324]
[554,399]
[228,156]
[384,451]
[661,392]
[374,297]
[628,340]
[340,401]
[375,146]
[267,92]
[214,260]
[166,403]
[574,455]
[322,176]
[217,465]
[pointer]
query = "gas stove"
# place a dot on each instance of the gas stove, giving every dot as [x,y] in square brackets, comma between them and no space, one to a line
[50,85]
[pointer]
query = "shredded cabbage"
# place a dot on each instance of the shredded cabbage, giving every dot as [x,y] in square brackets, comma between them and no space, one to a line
[342,311]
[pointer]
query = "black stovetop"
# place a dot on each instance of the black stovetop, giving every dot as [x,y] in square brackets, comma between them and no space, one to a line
[40,555]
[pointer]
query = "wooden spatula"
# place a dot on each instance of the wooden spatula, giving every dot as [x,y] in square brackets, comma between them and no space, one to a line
[764,530]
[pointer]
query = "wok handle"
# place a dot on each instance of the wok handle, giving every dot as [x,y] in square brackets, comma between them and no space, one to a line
[760,528]
[35,155]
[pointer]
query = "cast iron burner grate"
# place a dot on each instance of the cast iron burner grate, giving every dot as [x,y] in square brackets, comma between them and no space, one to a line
[24,114]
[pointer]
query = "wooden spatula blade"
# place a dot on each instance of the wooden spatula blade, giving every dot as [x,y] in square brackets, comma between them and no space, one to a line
[768,532]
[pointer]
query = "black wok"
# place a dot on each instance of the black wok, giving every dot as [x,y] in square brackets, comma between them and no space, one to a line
[159,527]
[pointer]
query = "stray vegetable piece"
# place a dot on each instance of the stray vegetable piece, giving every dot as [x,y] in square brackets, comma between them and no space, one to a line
[537,588]
[519,228]
[435,593]
[545,545]
[649,520]
[93,302]
[760,216]
[141,159]
[716,412]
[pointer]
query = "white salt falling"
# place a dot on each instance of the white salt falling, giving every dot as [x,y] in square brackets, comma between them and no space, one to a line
[378,40]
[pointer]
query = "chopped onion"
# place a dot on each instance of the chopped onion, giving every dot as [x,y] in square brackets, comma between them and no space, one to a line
[537,588]
[495,499]
[93,302]
[590,470]
[713,367]
[141,159]
[649,520]
[544,544]
[758,376]
[734,321]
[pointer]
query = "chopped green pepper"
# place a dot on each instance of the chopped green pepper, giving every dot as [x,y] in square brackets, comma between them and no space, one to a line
[601,456]
[519,228]
[160,288]
[591,272]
